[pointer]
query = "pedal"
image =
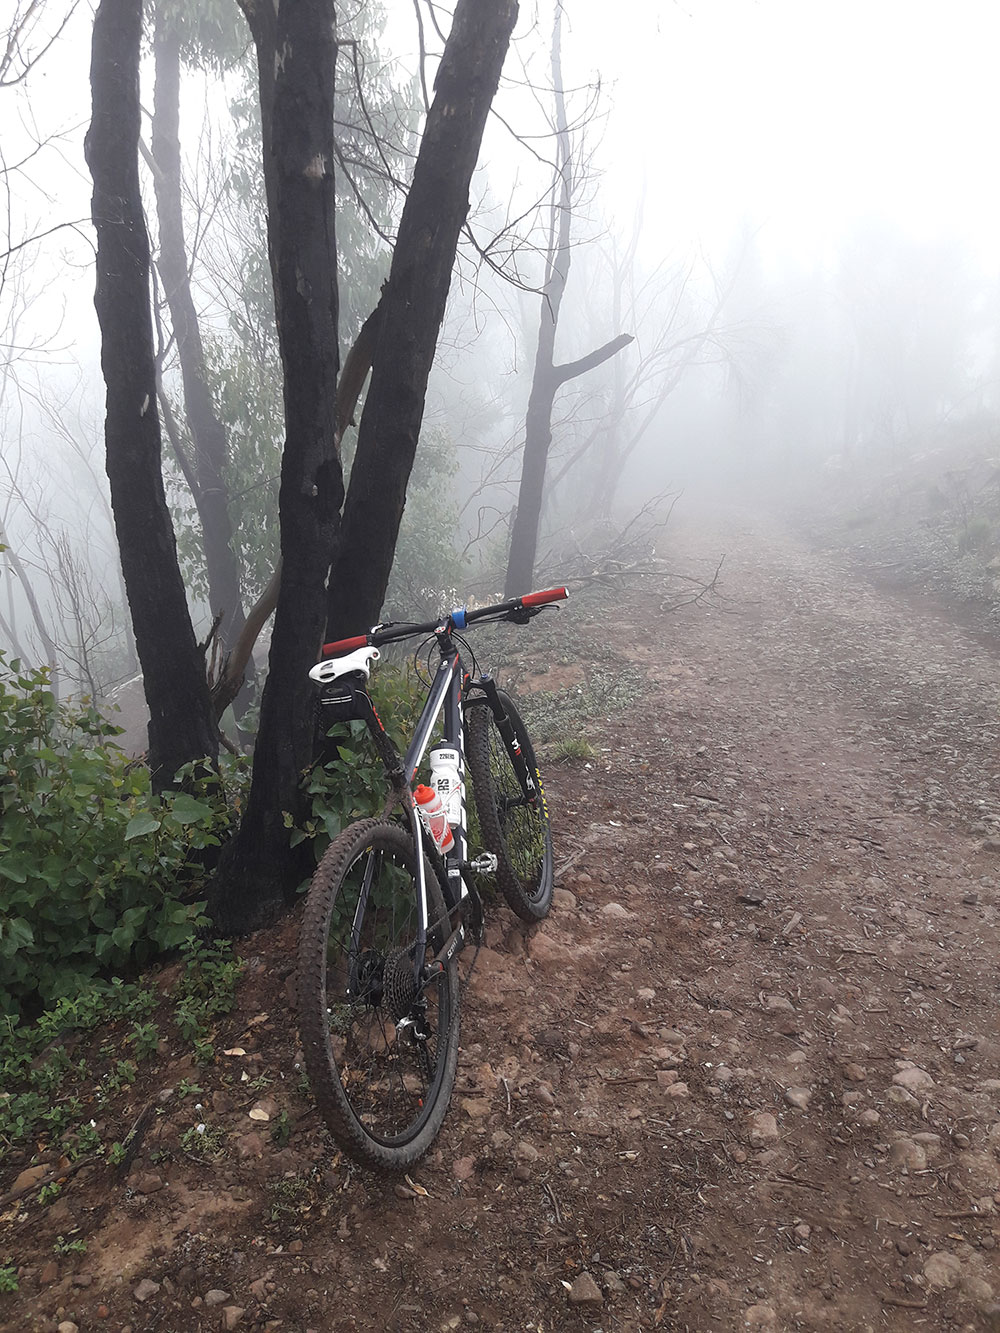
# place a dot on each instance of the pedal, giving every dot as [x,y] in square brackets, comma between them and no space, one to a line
[484,864]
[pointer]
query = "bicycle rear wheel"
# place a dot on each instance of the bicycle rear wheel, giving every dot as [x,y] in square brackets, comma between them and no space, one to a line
[380,1050]
[514,823]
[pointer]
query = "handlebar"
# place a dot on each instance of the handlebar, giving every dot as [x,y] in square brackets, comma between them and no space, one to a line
[517,609]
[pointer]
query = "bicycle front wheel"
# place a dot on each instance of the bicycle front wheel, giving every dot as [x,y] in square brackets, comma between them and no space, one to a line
[380,1041]
[510,802]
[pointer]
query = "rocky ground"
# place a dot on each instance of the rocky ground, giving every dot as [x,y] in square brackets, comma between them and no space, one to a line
[746,1075]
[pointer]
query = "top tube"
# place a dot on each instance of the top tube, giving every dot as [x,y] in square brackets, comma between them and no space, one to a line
[528,605]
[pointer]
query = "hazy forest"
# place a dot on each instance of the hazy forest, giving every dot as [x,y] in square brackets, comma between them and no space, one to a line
[323,314]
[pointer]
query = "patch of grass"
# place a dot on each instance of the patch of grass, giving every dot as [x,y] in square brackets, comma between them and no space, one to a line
[205,1143]
[572,748]
[553,716]
[288,1197]
[8,1277]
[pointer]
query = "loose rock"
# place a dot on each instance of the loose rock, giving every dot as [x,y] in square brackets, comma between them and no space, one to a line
[585,1291]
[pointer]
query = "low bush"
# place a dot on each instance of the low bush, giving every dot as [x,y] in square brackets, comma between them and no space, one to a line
[96,875]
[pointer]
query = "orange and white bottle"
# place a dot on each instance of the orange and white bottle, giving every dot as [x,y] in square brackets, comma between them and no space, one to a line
[435,816]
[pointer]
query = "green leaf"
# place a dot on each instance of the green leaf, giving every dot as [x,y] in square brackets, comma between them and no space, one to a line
[144,822]
[186,810]
[10,866]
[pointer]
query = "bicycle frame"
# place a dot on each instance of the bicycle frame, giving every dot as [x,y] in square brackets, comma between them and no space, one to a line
[447,695]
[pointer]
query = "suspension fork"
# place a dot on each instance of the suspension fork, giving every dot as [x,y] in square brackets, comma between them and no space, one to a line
[519,760]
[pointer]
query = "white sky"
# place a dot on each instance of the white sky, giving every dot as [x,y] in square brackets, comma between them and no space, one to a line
[803,115]
[790,115]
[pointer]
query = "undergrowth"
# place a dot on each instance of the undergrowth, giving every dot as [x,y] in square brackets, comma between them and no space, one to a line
[98,874]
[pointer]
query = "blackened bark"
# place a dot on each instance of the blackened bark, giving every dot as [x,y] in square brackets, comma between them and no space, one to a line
[210,490]
[258,868]
[413,303]
[181,727]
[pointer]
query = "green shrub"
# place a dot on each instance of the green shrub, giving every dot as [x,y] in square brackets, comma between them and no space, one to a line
[97,874]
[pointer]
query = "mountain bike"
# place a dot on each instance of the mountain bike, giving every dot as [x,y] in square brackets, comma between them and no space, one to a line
[388,911]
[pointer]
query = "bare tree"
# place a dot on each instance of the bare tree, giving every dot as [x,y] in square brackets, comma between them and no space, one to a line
[549,377]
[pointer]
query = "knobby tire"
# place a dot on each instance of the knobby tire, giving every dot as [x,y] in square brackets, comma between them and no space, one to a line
[514,827]
[382,1093]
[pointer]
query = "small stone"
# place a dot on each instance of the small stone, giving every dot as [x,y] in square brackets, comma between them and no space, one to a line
[645,995]
[802,1232]
[523,1172]
[943,1270]
[666,1077]
[49,1273]
[868,1118]
[913,1079]
[149,1183]
[763,1129]
[526,1152]
[146,1288]
[760,1316]
[855,1073]
[677,1090]
[900,1097]
[231,1315]
[585,1291]
[778,1004]
[476,1107]
[798,1097]
[463,1168]
[28,1178]
[906,1155]
[249,1146]
[563,900]
[613,1284]
[615,912]
[216,1296]
[976,1289]
[67,1326]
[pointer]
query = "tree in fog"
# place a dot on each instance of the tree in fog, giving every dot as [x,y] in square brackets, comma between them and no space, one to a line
[549,377]
[181,726]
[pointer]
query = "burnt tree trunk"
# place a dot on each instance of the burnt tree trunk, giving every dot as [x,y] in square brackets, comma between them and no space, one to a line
[548,377]
[181,727]
[208,434]
[259,868]
[413,304]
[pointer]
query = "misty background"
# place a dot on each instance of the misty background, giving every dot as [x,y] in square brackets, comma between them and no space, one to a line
[792,210]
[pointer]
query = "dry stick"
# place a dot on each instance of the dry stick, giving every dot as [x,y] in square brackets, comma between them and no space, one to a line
[902,1302]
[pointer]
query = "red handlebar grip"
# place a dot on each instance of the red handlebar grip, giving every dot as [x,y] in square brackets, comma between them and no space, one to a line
[340,646]
[549,595]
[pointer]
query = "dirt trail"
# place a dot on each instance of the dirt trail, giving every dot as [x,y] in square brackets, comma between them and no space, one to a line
[747,1075]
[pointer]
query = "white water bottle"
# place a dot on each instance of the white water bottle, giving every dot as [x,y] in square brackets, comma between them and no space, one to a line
[446,779]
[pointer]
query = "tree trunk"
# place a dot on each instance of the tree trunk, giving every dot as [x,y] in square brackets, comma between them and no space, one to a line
[548,377]
[413,304]
[181,727]
[210,492]
[258,868]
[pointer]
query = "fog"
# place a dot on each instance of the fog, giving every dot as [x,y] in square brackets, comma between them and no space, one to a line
[790,208]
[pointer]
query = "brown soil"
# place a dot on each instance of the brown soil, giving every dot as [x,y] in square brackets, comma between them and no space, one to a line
[746,1075]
